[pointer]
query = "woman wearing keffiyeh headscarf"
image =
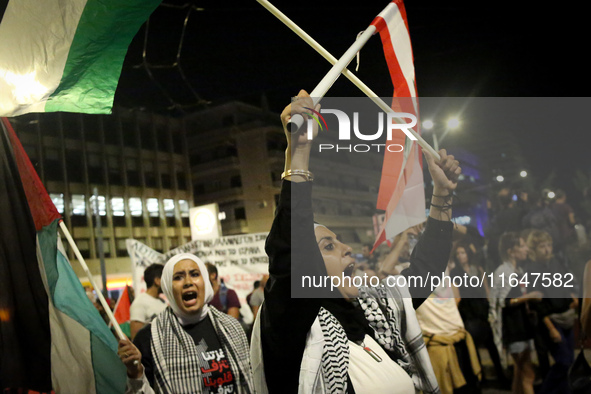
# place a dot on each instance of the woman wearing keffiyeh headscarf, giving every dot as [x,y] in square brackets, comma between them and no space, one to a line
[189,347]
[364,340]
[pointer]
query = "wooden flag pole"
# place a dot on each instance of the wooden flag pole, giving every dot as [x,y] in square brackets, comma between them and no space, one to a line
[100,296]
[333,74]
[352,77]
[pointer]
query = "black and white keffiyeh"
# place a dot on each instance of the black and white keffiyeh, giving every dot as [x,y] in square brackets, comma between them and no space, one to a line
[335,355]
[386,326]
[176,360]
[390,314]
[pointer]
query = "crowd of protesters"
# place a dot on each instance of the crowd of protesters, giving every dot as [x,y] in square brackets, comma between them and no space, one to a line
[197,342]
[529,332]
[521,323]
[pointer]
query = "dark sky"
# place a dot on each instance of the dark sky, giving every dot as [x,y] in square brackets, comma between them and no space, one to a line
[236,50]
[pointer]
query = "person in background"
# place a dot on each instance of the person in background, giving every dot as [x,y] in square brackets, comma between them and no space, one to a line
[258,296]
[90,294]
[224,299]
[586,304]
[541,216]
[397,259]
[99,307]
[450,346]
[473,306]
[565,219]
[147,305]
[507,219]
[369,259]
[255,286]
[556,314]
[510,311]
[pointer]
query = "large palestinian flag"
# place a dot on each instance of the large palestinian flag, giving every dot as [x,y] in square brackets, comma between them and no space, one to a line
[51,336]
[65,55]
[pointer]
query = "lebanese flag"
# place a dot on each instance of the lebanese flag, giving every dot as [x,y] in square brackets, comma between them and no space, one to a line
[65,55]
[52,339]
[401,193]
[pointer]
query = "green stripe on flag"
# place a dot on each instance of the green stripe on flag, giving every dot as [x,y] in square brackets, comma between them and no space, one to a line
[69,297]
[126,328]
[96,56]
[103,360]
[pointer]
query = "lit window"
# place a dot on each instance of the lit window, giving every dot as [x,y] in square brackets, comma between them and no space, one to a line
[184,208]
[78,204]
[152,205]
[168,207]
[58,201]
[135,206]
[101,206]
[117,206]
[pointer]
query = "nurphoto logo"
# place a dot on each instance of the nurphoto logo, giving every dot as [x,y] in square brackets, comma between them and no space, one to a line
[392,121]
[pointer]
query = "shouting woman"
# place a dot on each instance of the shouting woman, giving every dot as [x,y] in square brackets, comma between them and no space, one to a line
[189,347]
[345,340]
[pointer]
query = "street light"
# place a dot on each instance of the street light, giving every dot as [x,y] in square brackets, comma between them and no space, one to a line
[500,178]
[428,124]
[523,173]
[451,124]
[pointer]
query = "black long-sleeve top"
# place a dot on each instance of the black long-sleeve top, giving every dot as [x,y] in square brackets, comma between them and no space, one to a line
[285,321]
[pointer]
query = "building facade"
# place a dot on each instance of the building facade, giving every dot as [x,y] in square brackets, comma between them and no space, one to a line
[129,168]
[237,154]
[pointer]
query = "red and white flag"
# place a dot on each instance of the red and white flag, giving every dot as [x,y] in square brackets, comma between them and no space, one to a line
[402,193]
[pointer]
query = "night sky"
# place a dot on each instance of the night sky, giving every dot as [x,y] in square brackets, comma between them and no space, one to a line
[236,50]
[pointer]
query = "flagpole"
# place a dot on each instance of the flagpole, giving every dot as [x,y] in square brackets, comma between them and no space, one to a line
[352,77]
[296,122]
[100,296]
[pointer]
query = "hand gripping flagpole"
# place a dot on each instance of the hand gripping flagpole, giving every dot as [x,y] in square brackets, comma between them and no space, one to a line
[99,294]
[352,77]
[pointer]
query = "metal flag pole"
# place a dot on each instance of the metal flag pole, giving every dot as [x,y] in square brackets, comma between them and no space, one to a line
[99,236]
[352,77]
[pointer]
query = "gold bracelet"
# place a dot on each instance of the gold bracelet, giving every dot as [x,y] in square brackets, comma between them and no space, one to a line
[306,174]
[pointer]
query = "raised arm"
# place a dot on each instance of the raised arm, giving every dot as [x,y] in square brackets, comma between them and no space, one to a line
[431,254]
[291,244]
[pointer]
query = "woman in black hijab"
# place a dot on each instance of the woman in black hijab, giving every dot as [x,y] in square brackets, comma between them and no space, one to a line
[348,339]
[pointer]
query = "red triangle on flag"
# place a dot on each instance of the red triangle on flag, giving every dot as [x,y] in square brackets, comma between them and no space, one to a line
[42,208]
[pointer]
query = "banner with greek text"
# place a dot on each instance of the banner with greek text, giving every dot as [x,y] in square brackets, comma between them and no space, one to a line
[240,259]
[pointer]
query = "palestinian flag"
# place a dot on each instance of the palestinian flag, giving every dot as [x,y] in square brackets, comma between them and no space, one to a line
[65,55]
[121,311]
[51,336]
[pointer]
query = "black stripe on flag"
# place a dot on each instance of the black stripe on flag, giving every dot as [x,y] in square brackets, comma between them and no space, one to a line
[24,315]
[3,5]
